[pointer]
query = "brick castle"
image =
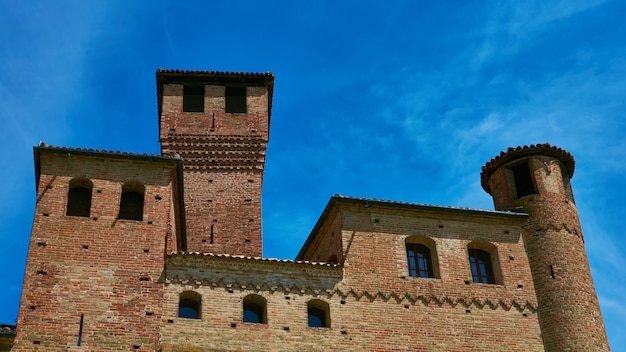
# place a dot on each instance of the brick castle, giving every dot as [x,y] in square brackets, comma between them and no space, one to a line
[135,252]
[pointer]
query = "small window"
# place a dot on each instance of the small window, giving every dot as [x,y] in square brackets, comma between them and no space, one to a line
[193,98]
[236,100]
[79,197]
[482,269]
[318,314]
[254,309]
[189,305]
[131,203]
[523,180]
[419,260]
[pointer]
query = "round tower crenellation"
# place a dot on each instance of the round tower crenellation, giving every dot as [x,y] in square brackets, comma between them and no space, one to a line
[536,178]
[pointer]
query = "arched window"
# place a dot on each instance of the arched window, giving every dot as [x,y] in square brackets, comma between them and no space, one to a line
[131,203]
[419,260]
[79,197]
[189,304]
[318,314]
[421,257]
[482,269]
[484,262]
[254,309]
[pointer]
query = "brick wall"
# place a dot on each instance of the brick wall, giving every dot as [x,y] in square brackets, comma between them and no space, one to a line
[101,267]
[373,305]
[224,157]
[568,304]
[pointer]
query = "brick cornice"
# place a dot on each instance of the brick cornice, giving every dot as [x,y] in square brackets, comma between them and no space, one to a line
[217,152]
[450,300]
[520,152]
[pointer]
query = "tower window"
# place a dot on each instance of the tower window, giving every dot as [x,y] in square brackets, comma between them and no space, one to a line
[254,309]
[193,98]
[419,260]
[318,314]
[523,180]
[189,305]
[236,100]
[131,203]
[79,198]
[482,269]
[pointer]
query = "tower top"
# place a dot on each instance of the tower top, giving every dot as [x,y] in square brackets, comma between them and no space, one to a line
[164,76]
[521,152]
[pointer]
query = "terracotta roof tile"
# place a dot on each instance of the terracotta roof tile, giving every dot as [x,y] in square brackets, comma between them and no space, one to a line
[260,259]
[47,147]
[421,205]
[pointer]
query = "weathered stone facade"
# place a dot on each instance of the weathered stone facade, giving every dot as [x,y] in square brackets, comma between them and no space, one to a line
[185,271]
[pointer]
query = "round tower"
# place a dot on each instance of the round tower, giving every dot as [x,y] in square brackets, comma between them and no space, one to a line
[536,179]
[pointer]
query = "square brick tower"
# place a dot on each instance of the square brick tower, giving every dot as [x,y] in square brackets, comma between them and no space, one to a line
[218,123]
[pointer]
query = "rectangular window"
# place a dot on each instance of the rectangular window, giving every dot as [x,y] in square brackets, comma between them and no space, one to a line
[193,98]
[236,100]
[523,180]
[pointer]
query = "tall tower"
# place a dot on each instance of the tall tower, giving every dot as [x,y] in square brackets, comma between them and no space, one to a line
[218,123]
[537,179]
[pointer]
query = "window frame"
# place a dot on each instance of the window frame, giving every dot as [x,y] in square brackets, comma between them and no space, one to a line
[428,247]
[418,256]
[494,260]
[481,266]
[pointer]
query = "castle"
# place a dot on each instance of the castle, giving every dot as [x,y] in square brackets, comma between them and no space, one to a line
[135,252]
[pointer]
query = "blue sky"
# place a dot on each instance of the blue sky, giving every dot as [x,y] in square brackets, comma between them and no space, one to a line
[398,100]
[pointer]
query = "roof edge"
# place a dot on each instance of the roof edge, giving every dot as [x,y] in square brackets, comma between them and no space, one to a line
[254,259]
[368,202]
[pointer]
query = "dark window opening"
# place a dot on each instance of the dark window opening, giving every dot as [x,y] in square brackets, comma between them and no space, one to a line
[254,309]
[78,201]
[318,316]
[523,180]
[236,100]
[131,203]
[189,305]
[193,98]
[419,260]
[482,269]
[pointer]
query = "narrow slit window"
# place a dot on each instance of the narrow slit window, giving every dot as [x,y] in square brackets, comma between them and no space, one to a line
[236,100]
[193,98]
[80,330]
